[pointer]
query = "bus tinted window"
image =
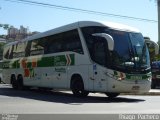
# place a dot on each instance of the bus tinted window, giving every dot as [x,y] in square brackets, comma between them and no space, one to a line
[54,44]
[37,47]
[18,50]
[1,49]
[72,42]
[97,46]
[6,52]
[14,51]
[66,41]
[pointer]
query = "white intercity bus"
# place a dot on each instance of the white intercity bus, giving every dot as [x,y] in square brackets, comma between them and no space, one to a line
[86,56]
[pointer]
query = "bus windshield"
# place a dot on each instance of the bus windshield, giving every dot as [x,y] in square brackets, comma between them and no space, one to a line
[130,52]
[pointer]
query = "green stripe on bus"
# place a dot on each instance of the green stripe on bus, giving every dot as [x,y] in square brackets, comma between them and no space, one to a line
[60,60]
[45,62]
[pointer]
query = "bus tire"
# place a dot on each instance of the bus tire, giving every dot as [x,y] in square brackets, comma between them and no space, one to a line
[77,87]
[14,82]
[20,82]
[153,85]
[112,95]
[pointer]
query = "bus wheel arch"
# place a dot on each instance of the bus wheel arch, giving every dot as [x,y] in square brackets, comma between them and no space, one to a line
[77,86]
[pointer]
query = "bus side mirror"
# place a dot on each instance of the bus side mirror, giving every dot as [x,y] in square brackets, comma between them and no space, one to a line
[108,38]
[156,46]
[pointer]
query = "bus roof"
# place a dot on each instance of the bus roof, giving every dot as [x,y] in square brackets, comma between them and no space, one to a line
[111,25]
[71,26]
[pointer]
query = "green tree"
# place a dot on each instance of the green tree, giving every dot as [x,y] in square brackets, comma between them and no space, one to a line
[5,26]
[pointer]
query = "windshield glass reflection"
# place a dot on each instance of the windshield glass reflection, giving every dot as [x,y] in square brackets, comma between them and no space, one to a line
[130,52]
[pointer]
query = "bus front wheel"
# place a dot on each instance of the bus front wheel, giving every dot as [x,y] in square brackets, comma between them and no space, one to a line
[112,95]
[77,87]
[153,84]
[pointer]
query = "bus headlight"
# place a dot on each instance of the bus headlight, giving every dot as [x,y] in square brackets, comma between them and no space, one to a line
[121,76]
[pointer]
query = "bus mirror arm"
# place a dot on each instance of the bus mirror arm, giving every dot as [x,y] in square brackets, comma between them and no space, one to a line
[109,39]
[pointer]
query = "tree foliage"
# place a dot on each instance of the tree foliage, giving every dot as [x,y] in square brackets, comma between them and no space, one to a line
[5,26]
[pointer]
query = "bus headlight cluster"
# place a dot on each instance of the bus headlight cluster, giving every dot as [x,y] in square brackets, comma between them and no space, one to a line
[121,76]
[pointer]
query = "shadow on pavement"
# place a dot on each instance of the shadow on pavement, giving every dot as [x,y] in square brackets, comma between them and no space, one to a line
[60,97]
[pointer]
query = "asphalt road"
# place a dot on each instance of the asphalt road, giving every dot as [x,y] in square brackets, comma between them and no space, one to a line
[52,102]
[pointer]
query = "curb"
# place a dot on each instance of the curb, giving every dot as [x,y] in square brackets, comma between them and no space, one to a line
[151,93]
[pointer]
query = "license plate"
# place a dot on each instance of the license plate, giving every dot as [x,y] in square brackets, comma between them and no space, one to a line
[135,88]
[136,77]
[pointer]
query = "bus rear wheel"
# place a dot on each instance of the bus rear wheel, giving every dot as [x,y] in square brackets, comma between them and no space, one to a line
[14,82]
[77,87]
[112,95]
[20,82]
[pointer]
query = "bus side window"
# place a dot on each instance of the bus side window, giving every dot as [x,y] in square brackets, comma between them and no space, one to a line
[28,49]
[37,47]
[6,52]
[66,41]
[72,42]
[11,52]
[18,50]
[54,44]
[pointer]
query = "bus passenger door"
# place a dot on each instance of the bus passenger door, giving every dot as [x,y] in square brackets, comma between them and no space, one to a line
[100,81]
[90,78]
[97,80]
[100,59]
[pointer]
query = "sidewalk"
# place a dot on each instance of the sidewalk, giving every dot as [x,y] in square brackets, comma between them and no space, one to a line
[151,92]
